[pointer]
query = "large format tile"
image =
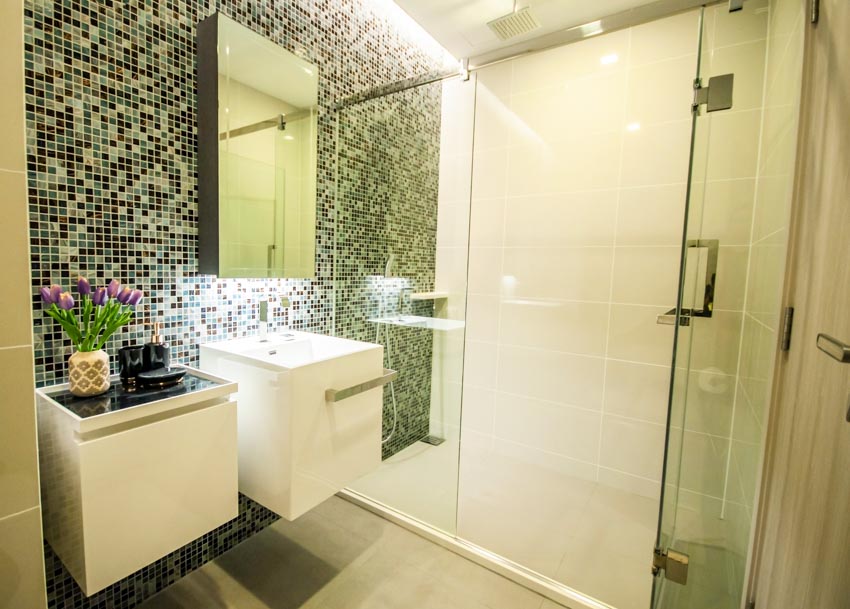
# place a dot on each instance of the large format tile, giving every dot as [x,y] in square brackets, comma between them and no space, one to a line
[575,327]
[16,321]
[548,375]
[12,153]
[18,453]
[565,220]
[340,556]
[638,391]
[572,432]
[581,273]
[22,561]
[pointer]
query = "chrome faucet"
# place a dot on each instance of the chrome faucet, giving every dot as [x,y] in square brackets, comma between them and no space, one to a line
[264,319]
[264,314]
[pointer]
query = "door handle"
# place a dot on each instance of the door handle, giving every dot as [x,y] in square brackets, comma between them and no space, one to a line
[669,318]
[834,348]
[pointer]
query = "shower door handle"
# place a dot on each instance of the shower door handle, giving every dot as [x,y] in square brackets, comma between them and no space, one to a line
[834,348]
[669,318]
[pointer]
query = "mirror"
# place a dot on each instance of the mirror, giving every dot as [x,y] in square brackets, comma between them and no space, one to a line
[257,147]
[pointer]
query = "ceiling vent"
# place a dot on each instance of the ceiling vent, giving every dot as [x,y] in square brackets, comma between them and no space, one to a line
[515,24]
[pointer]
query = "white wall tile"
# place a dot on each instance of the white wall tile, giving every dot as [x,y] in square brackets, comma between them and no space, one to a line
[478,408]
[573,327]
[652,215]
[16,321]
[646,275]
[666,38]
[12,153]
[584,163]
[633,447]
[489,167]
[641,167]
[479,367]
[18,456]
[21,561]
[558,113]
[574,219]
[567,431]
[482,318]
[556,377]
[487,224]
[561,65]
[727,211]
[582,273]
[662,91]
[638,391]
[485,270]
[733,146]
[742,26]
[635,336]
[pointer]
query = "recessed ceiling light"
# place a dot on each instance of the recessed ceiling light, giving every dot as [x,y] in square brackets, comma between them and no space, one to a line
[607,60]
[633,126]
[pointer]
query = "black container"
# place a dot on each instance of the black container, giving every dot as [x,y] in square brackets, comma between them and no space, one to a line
[157,354]
[131,361]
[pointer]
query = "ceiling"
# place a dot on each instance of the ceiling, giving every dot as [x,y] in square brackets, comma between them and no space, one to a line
[461,25]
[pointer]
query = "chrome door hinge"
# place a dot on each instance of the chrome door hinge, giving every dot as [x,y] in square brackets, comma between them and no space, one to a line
[815,14]
[787,326]
[673,563]
[716,96]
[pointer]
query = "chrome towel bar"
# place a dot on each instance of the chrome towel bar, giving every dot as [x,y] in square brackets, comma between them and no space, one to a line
[337,395]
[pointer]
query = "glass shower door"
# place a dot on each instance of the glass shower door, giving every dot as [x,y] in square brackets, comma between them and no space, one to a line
[715,418]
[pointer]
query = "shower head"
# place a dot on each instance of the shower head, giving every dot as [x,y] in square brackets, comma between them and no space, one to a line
[388,269]
[518,22]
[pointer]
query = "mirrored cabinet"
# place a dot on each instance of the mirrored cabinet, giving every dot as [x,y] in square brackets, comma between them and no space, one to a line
[257,140]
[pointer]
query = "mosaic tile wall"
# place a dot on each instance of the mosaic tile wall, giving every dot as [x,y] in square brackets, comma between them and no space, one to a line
[388,164]
[64,593]
[110,101]
[111,153]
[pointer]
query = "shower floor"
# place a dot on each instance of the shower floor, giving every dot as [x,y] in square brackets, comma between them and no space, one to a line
[593,538]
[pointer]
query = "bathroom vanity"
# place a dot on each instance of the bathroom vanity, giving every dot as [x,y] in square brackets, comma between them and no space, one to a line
[309,414]
[127,478]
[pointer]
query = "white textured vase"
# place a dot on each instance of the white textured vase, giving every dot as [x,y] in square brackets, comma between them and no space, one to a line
[88,373]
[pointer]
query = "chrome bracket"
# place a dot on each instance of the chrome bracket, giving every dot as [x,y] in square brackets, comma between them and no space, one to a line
[716,96]
[464,69]
[787,325]
[673,563]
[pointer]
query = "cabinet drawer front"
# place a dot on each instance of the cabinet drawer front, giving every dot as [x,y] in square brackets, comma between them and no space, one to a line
[152,489]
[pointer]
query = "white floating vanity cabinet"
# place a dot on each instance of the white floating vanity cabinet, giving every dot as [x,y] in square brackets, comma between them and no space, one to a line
[300,439]
[128,478]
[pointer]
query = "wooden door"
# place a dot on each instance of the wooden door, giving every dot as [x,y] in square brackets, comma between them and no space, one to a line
[803,540]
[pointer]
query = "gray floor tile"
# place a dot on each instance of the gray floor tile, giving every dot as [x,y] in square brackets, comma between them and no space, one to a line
[340,556]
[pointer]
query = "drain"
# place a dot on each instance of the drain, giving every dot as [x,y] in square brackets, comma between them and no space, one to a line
[433,440]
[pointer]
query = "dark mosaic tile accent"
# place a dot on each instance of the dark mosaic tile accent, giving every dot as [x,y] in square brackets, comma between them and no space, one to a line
[111,153]
[110,101]
[64,593]
[388,164]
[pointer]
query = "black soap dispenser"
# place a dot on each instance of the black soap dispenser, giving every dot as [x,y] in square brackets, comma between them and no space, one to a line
[157,354]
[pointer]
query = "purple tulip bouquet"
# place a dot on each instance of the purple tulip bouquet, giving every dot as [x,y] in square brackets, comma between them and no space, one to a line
[103,311]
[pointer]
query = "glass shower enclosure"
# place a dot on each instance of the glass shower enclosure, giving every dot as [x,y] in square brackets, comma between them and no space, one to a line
[576,276]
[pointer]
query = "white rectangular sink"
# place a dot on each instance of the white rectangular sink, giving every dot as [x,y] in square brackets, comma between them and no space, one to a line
[290,350]
[297,448]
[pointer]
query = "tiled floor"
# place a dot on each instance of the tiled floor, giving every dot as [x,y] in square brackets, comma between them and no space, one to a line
[339,556]
[575,531]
